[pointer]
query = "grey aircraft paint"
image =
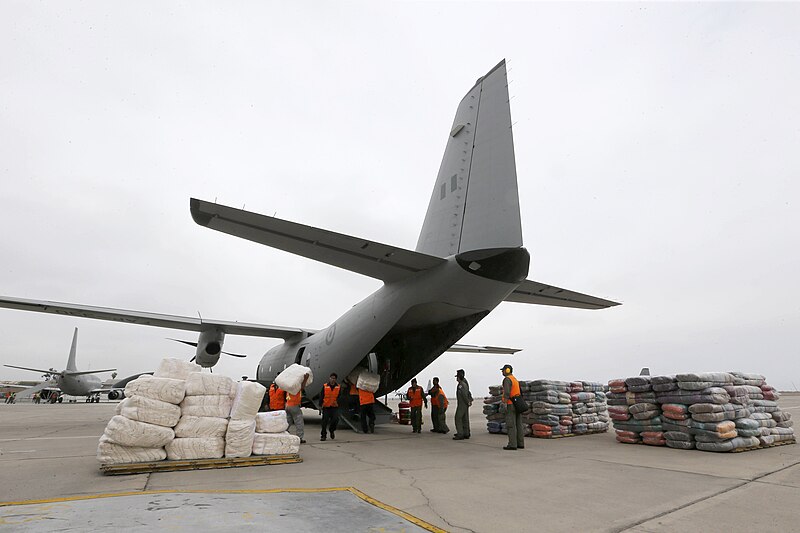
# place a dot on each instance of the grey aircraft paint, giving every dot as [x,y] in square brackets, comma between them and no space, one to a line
[469,259]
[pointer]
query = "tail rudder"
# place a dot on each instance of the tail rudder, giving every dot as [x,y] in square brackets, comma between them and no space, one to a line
[71,361]
[475,202]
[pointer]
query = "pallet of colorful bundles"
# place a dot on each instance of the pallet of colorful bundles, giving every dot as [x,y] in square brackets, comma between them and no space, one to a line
[589,408]
[495,410]
[635,414]
[550,413]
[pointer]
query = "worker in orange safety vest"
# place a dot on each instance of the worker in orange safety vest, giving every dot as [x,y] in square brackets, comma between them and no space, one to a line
[330,407]
[416,397]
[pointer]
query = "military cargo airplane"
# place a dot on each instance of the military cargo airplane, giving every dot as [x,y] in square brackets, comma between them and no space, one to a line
[469,258]
[70,381]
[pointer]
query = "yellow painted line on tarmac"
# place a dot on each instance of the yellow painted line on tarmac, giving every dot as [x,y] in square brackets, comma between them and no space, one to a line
[354,491]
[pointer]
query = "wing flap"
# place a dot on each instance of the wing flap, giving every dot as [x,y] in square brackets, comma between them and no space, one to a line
[151,319]
[369,258]
[533,292]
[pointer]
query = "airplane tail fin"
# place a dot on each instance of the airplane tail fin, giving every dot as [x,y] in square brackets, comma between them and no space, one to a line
[71,361]
[475,202]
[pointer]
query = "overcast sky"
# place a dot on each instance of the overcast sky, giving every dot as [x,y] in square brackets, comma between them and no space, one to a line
[657,148]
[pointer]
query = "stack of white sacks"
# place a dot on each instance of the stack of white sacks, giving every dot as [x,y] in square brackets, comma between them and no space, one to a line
[242,425]
[143,423]
[271,429]
[200,433]
[212,417]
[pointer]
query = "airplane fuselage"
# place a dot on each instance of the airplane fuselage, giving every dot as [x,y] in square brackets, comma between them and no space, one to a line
[406,324]
[79,385]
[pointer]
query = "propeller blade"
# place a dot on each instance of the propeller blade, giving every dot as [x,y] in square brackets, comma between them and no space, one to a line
[234,354]
[192,359]
[190,343]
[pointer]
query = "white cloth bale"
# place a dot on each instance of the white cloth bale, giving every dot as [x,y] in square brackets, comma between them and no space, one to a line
[150,411]
[200,426]
[127,432]
[196,448]
[109,453]
[165,389]
[239,438]
[272,422]
[120,406]
[291,379]
[275,443]
[216,406]
[368,381]
[247,400]
[176,369]
[198,384]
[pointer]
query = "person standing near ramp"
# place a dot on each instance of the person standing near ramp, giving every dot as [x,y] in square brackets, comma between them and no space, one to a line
[439,405]
[277,398]
[464,401]
[516,435]
[367,403]
[416,396]
[294,412]
[330,407]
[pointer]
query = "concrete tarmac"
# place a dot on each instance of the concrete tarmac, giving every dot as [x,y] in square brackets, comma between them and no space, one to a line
[588,483]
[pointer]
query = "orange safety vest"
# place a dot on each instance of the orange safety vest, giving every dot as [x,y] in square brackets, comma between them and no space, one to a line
[277,398]
[293,400]
[330,396]
[353,390]
[514,388]
[415,396]
[365,397]
[439,399]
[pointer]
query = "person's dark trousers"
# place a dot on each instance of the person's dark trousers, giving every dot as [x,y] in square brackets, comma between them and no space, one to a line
[435,418]
[416,418]
[330,419]
[368,412]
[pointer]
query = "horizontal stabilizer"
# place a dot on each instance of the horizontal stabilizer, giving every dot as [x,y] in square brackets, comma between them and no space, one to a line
[533,292]
[468,348]
[33,369]
[369,258]
[151,319]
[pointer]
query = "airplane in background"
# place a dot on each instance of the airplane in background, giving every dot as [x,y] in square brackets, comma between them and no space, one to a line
[469,258]
[71,380]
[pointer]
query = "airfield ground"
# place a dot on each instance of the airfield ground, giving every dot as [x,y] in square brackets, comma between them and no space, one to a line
[588,483]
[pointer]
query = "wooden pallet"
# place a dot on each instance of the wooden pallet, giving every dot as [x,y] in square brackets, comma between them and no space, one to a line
[595,432]
[198,464]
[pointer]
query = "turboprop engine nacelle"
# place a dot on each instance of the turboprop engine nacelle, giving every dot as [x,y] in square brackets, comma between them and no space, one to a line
[209,346]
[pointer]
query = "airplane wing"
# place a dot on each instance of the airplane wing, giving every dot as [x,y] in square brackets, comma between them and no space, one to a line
[151,319]
[33,390]
[83,372]
[373,259]
[533,292]
[468,348]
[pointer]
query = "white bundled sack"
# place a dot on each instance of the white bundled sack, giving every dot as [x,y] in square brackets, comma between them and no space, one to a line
[368,381]
[176,369]
[271,422]
[109,453]
[247,400]
[127,432]
[212,406]
[275,443]
[239,438]
[150,411]
[120,406]
[165,389]
[291,379]
[209,384]
[196,448]
[201,426]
